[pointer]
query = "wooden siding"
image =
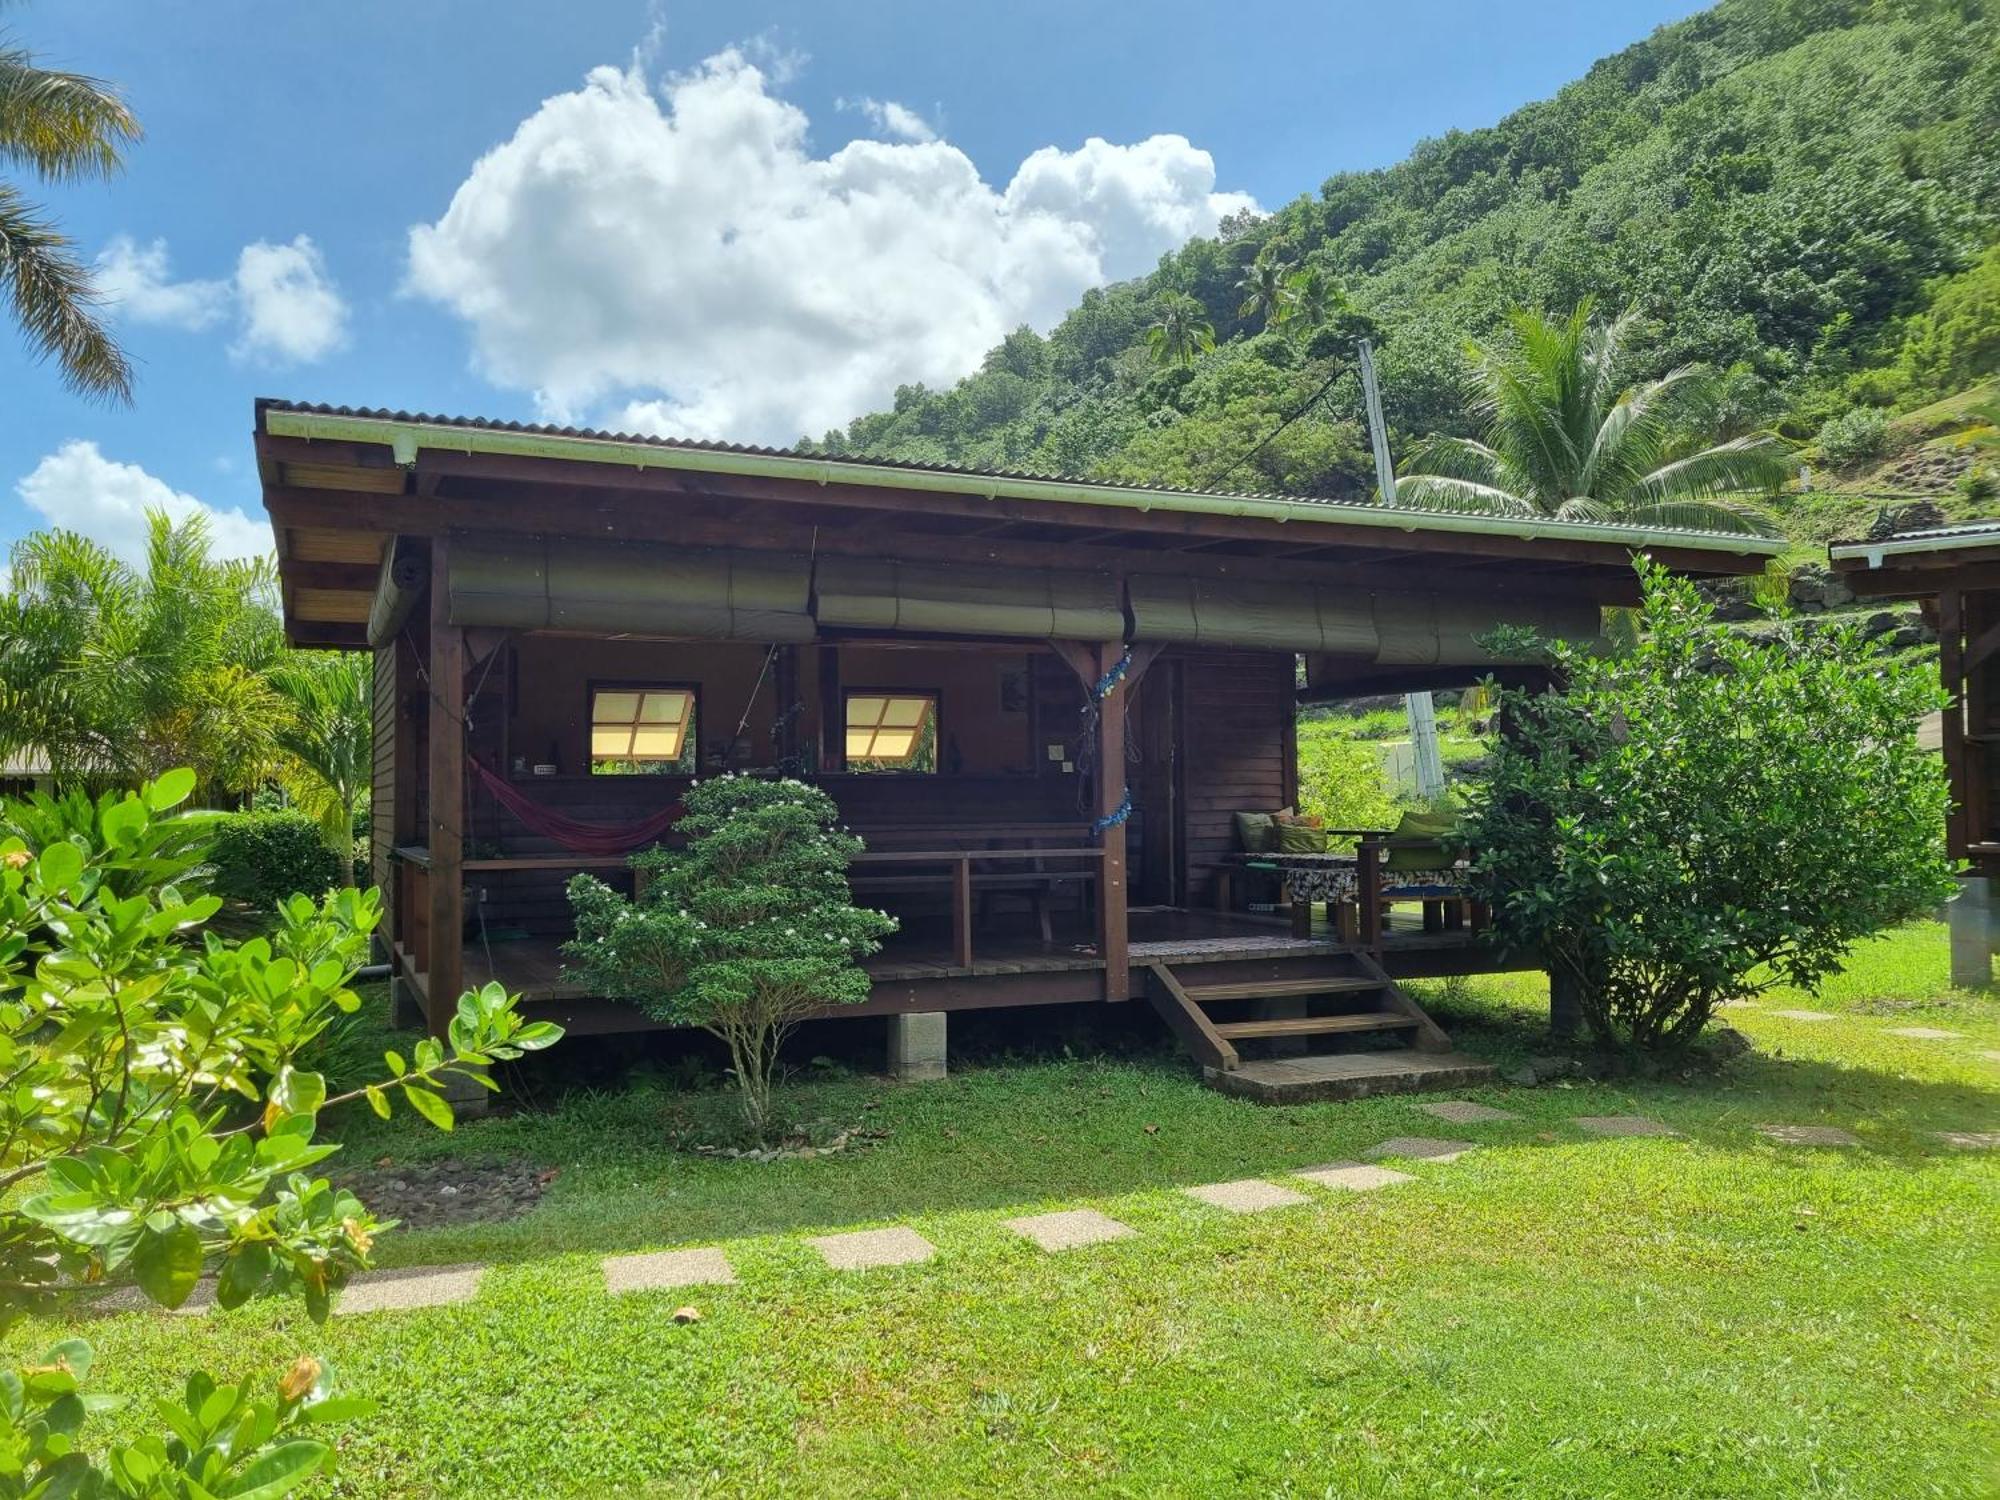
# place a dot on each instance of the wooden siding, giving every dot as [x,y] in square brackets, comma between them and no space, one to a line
[1237,716]
[382,789]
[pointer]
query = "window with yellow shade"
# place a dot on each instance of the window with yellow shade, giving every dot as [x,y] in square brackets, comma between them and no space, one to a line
[891,732]
[641,728]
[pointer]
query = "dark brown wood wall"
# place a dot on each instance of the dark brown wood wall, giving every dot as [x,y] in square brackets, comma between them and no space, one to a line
[1237,717]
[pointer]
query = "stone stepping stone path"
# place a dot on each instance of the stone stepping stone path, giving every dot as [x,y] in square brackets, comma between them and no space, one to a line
[1250,1195]
[1070,1229]
[400,1291]
[1925,1033]
[1970,1140]
[1804,1015]
[666,1268]
[1622,1125]
[868,1248]
[1354,1176]
[1465,1112]
[1419,1148]
[1810,1135]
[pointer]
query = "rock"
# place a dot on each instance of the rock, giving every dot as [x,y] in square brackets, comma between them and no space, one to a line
[1835,592]
[1880,623]
[1905,638]
[1545,1068]
[1525,1077]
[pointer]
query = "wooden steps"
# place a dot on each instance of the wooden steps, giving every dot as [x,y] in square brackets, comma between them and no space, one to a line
[1331,999]
[1314,1025]
[1283,989]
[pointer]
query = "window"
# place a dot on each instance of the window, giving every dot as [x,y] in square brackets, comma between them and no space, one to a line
[641,728]
[891,732]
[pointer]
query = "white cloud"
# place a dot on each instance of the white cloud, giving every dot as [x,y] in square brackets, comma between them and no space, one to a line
[897,120]
[683,262]
[78,488]
[137,282]
[291,312]
[287,309]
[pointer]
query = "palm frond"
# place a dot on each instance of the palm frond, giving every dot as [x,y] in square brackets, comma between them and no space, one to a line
[56,303]
[1738,517]
[1757,461]
[64,126]
[1628,441]
[1583,508]
[1465,497]
[1457,458]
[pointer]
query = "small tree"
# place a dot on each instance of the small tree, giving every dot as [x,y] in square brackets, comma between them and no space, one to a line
[156,1124]
[1708,814]
[744,932]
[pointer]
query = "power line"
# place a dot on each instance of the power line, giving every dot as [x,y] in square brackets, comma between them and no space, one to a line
[1255,448]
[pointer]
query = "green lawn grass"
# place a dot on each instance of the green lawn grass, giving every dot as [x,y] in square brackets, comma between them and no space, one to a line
[1553,1314]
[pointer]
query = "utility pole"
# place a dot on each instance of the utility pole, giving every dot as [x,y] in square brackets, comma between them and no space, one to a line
[1422,714]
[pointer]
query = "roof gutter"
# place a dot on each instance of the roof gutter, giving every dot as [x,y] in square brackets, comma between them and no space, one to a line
[407,439]
[1872,553]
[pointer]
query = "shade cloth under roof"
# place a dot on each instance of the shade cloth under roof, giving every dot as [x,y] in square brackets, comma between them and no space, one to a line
[946,599]
[1356,625]
[629,588]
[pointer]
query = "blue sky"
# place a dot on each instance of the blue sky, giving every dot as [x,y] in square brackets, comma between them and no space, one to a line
[753,220]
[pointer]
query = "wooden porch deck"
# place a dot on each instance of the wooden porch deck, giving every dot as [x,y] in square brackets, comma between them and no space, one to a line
[915,969]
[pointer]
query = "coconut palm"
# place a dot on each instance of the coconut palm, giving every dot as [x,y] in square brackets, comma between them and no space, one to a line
[60,127]
[119,673]
[327,743]
[1314,296]
[1563,438]
[1266,289]
[1180,330]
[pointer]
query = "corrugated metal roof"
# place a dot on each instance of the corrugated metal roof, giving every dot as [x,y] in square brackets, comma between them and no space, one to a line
[1612,530]
[1926,539]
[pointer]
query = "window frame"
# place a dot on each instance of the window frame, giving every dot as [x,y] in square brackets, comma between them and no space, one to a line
[635,767]
[933,696]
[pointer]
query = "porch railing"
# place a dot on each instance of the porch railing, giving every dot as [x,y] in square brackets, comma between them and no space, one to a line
[955,868]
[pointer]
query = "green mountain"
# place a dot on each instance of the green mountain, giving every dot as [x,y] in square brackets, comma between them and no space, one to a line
[1804,194]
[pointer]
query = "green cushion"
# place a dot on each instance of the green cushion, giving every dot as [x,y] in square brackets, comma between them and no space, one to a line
[1296,838]
[1256,832]
[1434,828]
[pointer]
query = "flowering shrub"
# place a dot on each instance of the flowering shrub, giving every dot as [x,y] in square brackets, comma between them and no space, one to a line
[745,932]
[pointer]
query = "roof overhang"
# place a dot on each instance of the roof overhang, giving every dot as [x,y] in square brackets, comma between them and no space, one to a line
[340,483]
[1922,563]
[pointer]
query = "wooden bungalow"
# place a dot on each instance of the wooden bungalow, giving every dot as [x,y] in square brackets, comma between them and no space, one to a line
[1041,701]
[1954,574]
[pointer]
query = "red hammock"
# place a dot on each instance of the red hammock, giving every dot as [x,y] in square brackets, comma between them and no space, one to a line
[598,839]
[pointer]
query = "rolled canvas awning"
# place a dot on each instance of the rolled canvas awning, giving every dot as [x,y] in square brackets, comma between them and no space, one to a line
[1351,625]
[947,599]
[629,588]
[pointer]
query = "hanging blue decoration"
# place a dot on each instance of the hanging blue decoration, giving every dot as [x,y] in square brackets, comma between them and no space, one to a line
[1116,675]
[1117,815]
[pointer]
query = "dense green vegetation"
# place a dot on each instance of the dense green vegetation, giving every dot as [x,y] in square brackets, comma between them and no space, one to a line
[1799,195]
[1554,1314]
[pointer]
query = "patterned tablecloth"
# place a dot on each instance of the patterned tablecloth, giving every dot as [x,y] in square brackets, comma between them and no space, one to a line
[1336,877]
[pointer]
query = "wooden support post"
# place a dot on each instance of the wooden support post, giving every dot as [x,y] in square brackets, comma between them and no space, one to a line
[961,912]
[832,711]
[1368,885]
[446,833]
[1951,669]
[1112,918]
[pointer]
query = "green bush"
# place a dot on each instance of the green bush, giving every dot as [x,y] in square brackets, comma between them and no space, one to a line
[1854,436]
[744,932]
[263,857]
[1708,815]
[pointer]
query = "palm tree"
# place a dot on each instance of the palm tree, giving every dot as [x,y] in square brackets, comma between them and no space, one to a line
[1266,289]
[328,746]
[1563,438]
[1180,331]
[1314,296]
[117,673]
[61,127]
